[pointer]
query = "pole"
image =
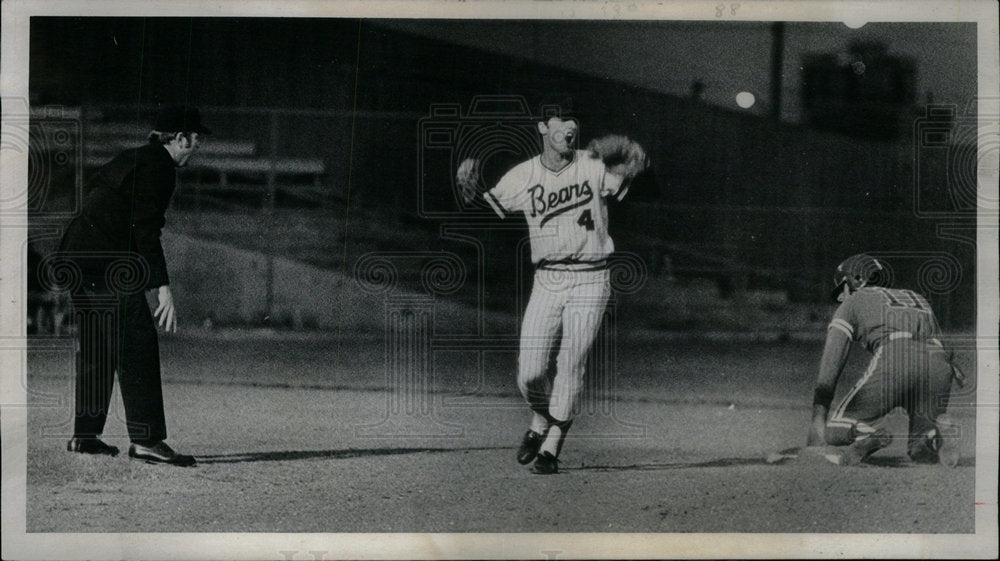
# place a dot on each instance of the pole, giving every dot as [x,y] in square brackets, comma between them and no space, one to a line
[777,56]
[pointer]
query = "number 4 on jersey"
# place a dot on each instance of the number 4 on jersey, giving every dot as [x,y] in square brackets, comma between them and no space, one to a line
[586,220]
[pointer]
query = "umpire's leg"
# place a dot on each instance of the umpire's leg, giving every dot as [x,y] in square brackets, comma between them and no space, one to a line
[98,324]
[139,372]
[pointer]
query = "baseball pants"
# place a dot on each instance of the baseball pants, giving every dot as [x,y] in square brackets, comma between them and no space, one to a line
[903,373]
[566,308]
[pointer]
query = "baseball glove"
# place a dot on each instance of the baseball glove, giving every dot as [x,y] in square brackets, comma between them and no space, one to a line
[468,179]
[621,155]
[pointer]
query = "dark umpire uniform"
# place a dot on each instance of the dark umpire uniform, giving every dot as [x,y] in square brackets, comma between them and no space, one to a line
[114,250]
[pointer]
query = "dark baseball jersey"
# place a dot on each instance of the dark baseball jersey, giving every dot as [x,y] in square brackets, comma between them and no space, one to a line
[874,314]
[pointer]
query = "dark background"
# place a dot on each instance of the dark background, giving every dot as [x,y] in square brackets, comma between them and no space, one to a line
[748,199]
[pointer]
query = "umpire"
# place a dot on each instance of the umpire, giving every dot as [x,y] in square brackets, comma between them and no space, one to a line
[113,249]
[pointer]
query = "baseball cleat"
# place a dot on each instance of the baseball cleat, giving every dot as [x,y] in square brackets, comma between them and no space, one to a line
[545,464]
[91,446]
[945,441]
[160,453]
[530,444]
[939,446]
[855,453]
[924,451]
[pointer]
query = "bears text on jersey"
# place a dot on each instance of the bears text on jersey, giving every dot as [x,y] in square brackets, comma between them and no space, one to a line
[552,204]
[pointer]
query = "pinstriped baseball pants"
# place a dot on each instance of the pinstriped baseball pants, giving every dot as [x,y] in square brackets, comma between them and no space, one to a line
[565,310]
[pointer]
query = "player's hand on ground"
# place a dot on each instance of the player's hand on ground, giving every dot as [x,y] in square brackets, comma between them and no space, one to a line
[468,179]
[165,313]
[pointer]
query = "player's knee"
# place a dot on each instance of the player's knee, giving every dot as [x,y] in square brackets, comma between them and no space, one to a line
[529,372]
[533,384]
[534,390]
[534,357]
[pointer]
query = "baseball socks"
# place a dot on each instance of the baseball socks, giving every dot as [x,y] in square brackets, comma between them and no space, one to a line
[539,423]
[548,454]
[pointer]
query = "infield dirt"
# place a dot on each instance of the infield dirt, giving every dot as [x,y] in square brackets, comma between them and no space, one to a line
[317,435]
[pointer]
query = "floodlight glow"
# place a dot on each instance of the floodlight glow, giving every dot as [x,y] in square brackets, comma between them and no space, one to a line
[745,100]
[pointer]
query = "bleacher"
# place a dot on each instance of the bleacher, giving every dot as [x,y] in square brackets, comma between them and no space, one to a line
[223,166]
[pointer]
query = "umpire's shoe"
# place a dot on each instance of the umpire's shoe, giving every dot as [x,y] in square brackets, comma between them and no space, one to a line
[530,444]
[159,453]
[546,464]
[865,447]
[91,446]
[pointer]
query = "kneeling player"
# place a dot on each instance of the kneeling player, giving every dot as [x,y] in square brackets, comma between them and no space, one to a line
[909,368]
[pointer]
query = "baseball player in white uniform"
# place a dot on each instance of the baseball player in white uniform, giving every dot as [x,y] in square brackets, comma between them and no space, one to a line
[562,193]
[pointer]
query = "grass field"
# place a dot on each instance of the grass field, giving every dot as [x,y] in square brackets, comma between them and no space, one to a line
[314,434]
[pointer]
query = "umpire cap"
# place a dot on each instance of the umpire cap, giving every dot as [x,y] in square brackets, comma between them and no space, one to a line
[179,118]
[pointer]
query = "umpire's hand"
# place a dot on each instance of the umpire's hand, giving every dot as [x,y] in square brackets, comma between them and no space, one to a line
[165,313]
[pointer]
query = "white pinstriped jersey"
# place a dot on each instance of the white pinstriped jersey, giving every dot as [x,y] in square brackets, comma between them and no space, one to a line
[566,210]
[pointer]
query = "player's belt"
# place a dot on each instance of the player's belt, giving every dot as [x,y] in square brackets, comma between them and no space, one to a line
[907,335]
[934,341]
[572,265]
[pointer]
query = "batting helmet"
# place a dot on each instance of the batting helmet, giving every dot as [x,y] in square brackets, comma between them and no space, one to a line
[857,271]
